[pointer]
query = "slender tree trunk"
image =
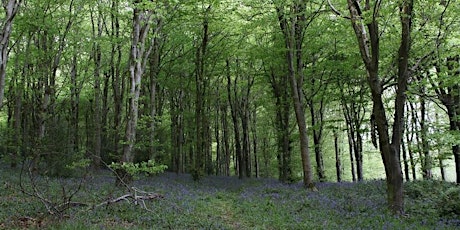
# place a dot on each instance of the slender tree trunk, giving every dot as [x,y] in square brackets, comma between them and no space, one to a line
[280,90]
[426,157]
[350,150]
[11,8]
[254,144]
[217,137]
[117,83]
[246,143]
[244,114]
[292,27]
[410,139]
[406,161]
[316,123]
[74,108]
[226,138]
[232,100]
[441,167]
[154,64]
[353,123]
[450,98]
[18,101]
[97,115]
[200,101]
[338,162]
[177,129]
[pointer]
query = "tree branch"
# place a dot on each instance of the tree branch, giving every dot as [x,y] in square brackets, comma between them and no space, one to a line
[338,13]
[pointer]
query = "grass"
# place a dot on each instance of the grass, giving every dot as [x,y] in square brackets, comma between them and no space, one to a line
[227,203]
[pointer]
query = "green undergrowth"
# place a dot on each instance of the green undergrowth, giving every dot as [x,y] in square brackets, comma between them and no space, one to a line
[229,203]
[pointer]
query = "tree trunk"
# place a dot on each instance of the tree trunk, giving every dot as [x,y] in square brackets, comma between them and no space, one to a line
[354,114]
[97,55]
[177,130]
[282,125]
[425,151]
[11,8]
[217,130]
[226,138]
[234,107]
[368,40]
[292,27]
[405,160]
[244,115]
[338,162]
[74,107]
[410,139]
[117,83]
[316,123]
[200,101]
[450,98]
[153,75]
[455,126]
[138,58]
[254,144]
[350,150]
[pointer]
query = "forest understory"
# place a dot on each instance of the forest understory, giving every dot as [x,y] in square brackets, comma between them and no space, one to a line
[218,202]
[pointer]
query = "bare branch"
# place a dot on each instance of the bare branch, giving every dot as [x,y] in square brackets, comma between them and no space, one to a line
[338,13]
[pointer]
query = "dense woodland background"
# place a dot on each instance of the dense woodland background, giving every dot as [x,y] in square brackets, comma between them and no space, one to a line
[221,87]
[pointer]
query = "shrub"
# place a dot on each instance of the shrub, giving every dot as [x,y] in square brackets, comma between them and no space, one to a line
[449,203]
[148,167]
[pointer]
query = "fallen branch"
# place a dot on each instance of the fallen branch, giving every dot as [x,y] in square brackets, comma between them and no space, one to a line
[131,198]
[56,206]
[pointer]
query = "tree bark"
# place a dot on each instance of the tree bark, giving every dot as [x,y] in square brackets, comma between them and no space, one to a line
[317,116]
[11,8]
[138,58]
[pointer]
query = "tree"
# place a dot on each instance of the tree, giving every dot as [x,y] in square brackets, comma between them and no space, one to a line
[138,60]
[11,8]
[282,122]
[446,86]
[354,110]
[202,82]
[366,27]
[292,26]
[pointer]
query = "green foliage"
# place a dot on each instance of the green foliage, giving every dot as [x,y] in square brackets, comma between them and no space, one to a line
[449,203]
[225,203]
[79,164]
[432,197]
[146,167]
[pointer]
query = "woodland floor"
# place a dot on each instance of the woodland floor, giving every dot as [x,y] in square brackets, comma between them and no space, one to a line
[220,203]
